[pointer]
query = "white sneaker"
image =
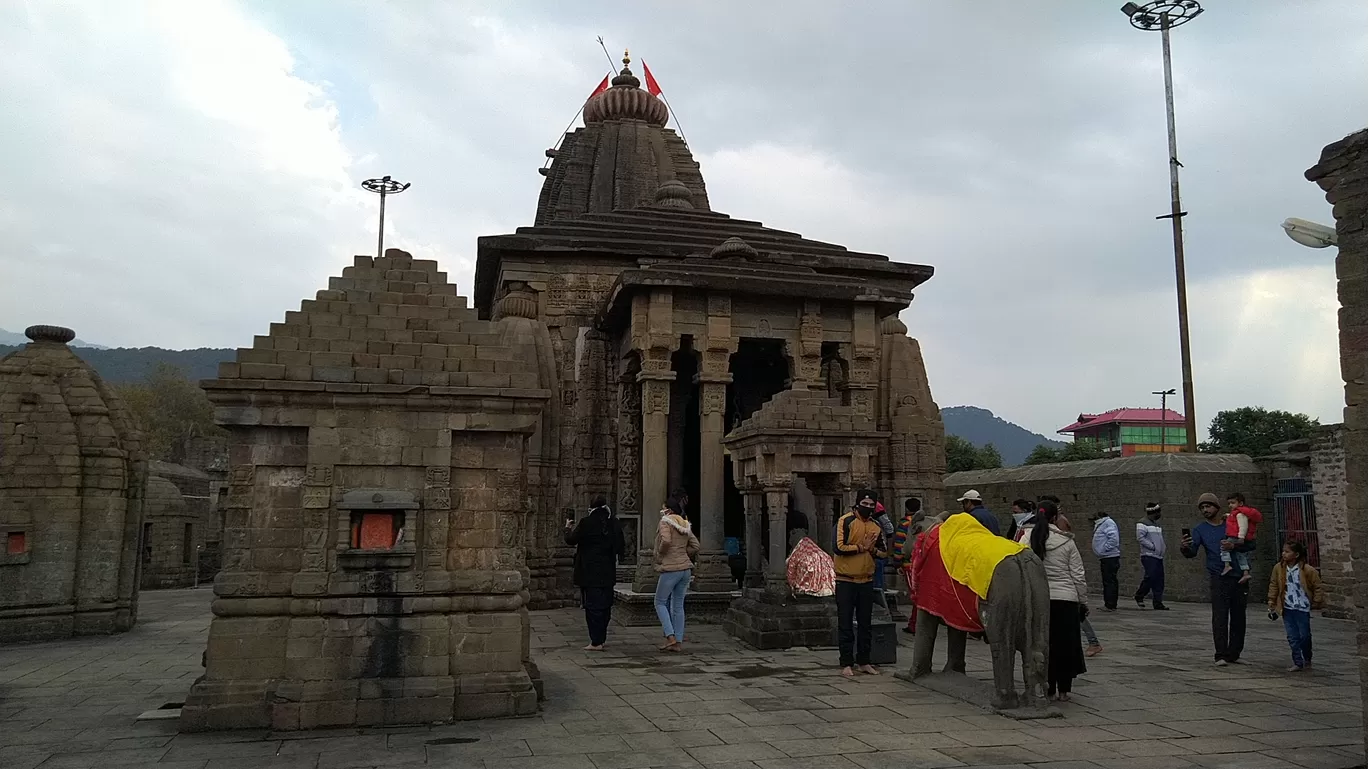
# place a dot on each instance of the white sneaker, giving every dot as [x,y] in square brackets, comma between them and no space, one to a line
[1220,663]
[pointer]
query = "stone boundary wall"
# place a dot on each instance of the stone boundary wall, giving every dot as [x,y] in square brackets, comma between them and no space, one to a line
[1122,486]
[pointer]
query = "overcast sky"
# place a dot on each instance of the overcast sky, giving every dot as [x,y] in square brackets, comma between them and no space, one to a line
[181,173]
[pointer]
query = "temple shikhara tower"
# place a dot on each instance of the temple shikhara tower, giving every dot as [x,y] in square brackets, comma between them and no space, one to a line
[401,464]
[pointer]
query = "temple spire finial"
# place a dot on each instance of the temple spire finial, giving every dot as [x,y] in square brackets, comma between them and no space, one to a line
[626,59]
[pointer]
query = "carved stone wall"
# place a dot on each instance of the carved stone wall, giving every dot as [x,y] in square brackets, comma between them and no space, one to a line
[376,533]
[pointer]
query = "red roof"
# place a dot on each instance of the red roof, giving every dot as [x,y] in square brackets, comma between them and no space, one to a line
[1125,416]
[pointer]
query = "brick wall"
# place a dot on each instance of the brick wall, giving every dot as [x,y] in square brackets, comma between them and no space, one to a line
[1332,520]
[1343,174]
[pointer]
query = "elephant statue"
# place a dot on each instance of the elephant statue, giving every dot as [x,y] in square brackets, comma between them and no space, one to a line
[1013,616]
[1016,620]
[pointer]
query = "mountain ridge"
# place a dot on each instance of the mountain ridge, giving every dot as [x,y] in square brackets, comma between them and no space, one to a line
[980,426]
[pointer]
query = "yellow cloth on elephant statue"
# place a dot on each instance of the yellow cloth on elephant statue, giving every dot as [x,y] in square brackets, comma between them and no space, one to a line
[971,552]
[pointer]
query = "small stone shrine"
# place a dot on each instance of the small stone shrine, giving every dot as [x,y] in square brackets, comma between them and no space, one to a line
[373,561]
[72,476]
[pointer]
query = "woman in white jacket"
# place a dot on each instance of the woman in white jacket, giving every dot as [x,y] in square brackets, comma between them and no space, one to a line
[1068,596]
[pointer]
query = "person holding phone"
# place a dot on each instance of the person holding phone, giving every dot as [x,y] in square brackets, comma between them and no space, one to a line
[1229,596]
[597,540]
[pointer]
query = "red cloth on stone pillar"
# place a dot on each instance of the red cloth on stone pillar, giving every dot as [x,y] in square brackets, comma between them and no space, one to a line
[811,570]
[936,592]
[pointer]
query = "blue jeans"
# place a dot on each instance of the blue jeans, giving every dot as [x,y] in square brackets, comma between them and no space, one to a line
[1297,623]
[669,601]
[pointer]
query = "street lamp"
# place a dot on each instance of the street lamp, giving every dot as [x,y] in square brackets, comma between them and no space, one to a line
[383,187]
[1310,234]
[1164,15]
[1163,417]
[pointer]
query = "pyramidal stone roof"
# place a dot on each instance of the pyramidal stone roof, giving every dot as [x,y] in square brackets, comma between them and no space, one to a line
[387,325]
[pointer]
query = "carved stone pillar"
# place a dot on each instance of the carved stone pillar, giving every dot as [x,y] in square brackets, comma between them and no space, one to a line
[629,457]
[653,334]
[863,357]
[776,504]
[713,573]
[655,414]
[807,353]
[754,502]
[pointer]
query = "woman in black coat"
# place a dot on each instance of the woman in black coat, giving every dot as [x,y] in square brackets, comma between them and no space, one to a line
[597,539]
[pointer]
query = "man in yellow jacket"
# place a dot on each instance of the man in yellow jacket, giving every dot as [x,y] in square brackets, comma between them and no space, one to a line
[859,540]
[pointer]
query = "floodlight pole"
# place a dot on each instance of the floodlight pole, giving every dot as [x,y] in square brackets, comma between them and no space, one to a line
[384,187]
[1164,15]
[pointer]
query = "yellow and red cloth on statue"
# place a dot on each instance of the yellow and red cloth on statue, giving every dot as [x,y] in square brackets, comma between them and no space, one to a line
[952,567]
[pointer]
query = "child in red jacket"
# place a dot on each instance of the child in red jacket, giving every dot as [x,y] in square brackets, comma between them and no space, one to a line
[1240,526]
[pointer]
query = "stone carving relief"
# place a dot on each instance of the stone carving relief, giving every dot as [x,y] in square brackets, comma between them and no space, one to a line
[577,292]
[317,497]
[657,396]
[629,446]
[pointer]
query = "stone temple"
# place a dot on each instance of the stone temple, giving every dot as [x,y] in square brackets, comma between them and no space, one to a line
[72,476]
[401,464]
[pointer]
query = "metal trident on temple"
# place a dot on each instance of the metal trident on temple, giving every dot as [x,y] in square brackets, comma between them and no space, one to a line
[383,186]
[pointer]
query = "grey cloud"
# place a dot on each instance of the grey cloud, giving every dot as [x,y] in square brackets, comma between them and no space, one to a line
[1017,147]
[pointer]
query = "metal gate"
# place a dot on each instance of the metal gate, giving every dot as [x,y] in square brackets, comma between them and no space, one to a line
[1294,507]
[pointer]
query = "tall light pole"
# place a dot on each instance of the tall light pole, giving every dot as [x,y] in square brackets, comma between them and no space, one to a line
[1164,15]
[383,187]
[1163,417]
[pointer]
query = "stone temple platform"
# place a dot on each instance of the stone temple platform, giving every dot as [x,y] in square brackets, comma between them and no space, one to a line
[1152,700]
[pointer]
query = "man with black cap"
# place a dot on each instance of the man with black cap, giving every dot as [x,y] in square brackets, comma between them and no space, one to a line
[859,540]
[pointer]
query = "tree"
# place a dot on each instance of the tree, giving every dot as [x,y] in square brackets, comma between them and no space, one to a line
[1253,430]
[1042,455]
[962,455]
[169,410]
[1075,451]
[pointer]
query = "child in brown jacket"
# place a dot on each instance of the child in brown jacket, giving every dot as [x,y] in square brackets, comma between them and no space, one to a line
[1295,588]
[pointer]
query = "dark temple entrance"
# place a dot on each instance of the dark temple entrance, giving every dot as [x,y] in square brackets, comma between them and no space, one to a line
[759,371]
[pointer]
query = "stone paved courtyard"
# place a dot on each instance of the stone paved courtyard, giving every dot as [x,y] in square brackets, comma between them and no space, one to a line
[1151,701]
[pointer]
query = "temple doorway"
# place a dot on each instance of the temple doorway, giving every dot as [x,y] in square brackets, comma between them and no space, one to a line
[759,372]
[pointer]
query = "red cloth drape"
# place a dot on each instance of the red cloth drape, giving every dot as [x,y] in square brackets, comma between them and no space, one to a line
[936,592]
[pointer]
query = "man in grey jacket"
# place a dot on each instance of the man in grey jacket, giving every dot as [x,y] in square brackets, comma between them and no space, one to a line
[1106,544]
[1151,537]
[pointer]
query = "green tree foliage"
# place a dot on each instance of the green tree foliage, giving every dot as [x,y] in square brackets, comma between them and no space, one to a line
[1253,430]
[169,409]
[962,455]
[1069,452]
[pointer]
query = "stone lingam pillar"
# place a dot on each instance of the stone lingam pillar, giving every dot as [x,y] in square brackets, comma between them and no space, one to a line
[770,616]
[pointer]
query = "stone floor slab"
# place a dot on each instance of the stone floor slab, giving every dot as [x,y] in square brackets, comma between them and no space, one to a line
[1152,700]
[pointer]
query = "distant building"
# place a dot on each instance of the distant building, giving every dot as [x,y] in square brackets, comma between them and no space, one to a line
[1127,432]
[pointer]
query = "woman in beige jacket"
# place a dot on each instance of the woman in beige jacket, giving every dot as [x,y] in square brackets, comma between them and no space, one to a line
[675,549]
[1068,597]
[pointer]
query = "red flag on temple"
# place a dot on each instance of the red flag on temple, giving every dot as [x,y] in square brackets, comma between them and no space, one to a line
[652,86]
[601,87]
